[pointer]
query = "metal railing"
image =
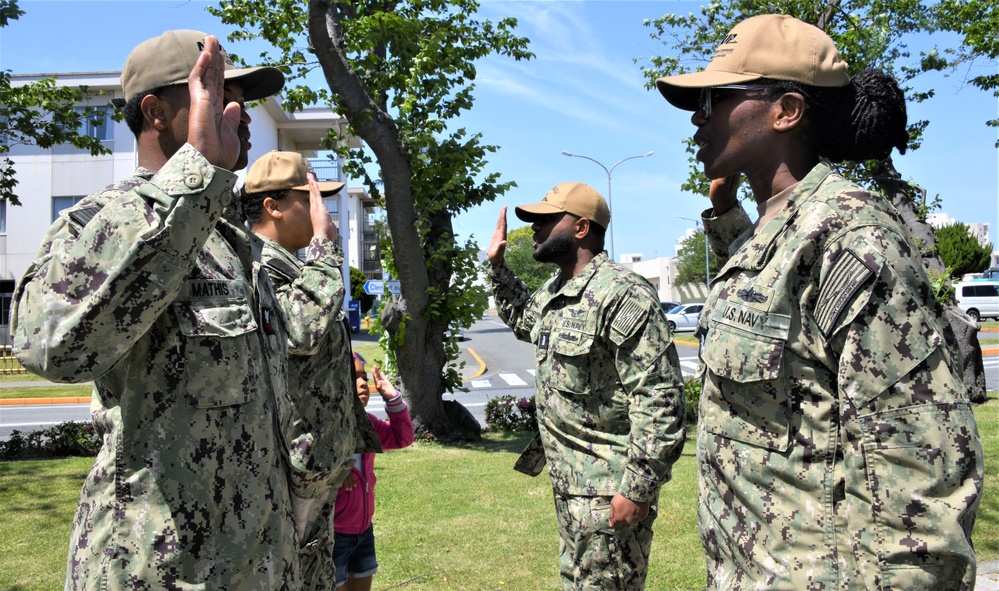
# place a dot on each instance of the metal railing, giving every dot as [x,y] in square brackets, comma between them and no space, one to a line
[9,365]
[325,169]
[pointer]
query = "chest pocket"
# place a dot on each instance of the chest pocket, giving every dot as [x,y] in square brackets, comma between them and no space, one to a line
[745,388]
[569,360]
[221,357]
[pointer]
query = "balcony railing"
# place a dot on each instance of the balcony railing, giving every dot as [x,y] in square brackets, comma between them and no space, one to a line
[325,169]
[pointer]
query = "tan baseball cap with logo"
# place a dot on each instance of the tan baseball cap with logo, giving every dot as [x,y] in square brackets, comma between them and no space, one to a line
[772,46]
[168,59]
[576,198]
[278,171]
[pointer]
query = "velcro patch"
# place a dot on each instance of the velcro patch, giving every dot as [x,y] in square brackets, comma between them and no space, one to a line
[628,319]
[848,274]
[83,216]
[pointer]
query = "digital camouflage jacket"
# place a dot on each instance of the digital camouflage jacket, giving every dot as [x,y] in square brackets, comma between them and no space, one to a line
[608,386]
[145,290]
[836,445]
[329,421]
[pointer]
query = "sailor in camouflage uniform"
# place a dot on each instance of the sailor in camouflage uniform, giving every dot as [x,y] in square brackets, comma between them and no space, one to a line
[608,386]
[836,444]
[147,290]
[283,203]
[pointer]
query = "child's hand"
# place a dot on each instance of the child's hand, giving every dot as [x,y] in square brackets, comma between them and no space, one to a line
[382,384]
[348,482]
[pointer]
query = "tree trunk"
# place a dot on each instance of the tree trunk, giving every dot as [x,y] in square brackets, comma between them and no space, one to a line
[421,361]
[962,333]
[421,357]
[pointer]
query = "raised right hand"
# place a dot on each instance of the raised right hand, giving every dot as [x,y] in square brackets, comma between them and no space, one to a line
[497,246]
[212,124]
[322,224]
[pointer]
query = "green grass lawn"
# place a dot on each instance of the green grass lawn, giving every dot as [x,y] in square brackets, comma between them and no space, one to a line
[58,391]
[449,518]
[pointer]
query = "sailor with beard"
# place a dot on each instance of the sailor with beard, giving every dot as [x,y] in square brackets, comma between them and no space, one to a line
[608,388]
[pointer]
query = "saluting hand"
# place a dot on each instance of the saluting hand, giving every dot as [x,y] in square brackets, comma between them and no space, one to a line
[212,124]
[322,223]
[382,383]
[497,246]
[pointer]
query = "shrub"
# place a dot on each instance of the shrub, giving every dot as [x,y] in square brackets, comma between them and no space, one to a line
[65,439]
[692,397]
[506,413]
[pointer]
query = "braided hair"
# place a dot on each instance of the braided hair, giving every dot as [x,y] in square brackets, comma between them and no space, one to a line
[861,121]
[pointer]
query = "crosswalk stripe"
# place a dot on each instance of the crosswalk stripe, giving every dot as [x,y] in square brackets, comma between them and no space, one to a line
[512,379]
[481,383]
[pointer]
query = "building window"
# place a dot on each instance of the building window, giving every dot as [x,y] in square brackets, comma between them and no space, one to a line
[61,203]
[98,125]
[6,294]
[3,216]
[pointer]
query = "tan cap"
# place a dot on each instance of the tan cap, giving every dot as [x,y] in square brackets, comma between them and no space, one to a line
[576,198]
[766,46]
[279,171]
[168,60]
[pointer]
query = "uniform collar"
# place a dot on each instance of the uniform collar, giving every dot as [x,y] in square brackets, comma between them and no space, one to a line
[577,284]
[755,249]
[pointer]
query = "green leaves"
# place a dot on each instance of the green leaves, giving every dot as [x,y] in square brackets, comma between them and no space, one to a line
[690,260]
[867,33]
[961,252]
[40,113]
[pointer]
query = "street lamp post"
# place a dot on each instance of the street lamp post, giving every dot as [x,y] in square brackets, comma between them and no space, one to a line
[707,265]
[610,203]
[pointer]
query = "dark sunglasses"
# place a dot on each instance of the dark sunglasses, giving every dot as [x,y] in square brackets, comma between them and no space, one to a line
[705,100]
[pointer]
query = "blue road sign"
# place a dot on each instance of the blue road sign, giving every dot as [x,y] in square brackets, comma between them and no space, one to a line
[378,287]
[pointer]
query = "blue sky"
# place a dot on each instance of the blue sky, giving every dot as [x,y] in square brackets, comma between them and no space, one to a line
[582,93]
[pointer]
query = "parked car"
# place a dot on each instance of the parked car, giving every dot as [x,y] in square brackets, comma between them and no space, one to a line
[979,299]
[668,306]
[684,317]
[456,331]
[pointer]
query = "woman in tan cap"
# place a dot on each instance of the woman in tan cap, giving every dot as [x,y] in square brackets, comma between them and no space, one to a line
[837,448]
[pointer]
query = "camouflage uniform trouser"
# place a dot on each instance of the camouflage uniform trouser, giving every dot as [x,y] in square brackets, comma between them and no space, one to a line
[596,557]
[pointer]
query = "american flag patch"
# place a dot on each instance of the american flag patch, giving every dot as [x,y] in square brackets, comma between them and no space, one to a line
[848,274]
[627,318]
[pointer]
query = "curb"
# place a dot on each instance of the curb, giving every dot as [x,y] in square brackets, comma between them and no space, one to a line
[41,401]
[988,576]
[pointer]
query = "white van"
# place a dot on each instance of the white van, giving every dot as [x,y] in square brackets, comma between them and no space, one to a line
[980,299]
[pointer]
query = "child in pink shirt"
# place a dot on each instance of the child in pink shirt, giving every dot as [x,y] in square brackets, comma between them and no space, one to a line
[353,532]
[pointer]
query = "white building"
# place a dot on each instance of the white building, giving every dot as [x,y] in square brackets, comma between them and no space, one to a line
[48,180]
[979,230]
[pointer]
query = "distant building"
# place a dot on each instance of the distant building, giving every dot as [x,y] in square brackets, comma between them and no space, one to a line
[979,230]
[49,180]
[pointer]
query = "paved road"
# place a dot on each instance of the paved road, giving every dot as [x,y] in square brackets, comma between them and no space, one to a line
[496,364]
